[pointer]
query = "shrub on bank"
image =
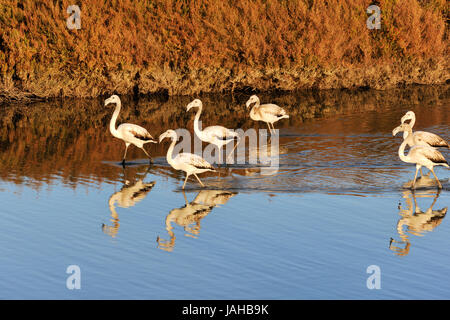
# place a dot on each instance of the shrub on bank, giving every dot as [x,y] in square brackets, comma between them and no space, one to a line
[186,47]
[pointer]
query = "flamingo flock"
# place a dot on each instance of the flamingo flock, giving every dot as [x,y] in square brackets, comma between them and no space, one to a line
[422,145]
[190,163]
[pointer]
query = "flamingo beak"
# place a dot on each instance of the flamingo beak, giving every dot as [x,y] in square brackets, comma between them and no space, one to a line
[107,101]
[163,136]
[248,104]
[395,131]
[190,106]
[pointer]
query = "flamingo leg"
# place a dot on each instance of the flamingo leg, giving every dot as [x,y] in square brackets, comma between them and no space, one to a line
[415,177]
[199,180]
[185,198]
[435,198]
[220,155]
[125,154]
[421,173]
[439,183]
[187,176]
[235,146]
[270,130]
[150,158]
[273,128]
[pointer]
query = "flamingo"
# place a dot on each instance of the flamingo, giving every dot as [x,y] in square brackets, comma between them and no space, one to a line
[187,162]
[128,196]
[129,133]
[422,137]
[192,213]
[186,216]
[268,113]
[421,155]
[216,135]
[416,221]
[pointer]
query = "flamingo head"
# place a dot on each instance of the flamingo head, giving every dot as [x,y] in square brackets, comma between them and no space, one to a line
[408,116]
[112,99]
[197,103]
[252,99]
[168,134]
[404,127]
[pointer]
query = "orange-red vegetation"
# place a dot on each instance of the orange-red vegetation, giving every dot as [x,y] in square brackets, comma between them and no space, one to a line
[189,46]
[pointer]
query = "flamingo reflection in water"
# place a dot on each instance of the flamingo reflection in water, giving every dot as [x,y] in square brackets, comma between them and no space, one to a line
[267,153]
[190,215]
[128,196]
[417,222]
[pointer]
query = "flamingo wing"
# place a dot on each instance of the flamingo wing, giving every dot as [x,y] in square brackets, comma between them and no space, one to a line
[193,160]
[430,138]
[273,110]
[135,131]
[429,153]
[220,133]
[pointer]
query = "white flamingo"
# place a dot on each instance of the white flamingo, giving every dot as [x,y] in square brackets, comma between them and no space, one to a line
[422,137]
[128,196]
[192,213]
[216,135]
[129,133]
[417,222]
[268,113]
[187,162]
[421,155]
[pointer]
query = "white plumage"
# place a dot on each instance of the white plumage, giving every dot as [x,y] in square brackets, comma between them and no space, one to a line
[187,162]
[129,133]
[416,221]
[268,113]
[190,215]
[216,135]
[214,197]
[421,155]
[127,197]
[421,137]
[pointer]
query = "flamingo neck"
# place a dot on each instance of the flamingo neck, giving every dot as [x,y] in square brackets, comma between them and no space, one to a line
[408,137]
[254,109]
[112,123]
[169,225]
[170,151]
[407,134]
[112,206]
[197,129]
[401,152]
[413,121]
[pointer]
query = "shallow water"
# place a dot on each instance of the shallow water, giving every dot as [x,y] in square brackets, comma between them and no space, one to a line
[336,205]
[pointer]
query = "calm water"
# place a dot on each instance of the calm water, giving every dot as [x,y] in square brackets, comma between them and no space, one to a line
[336,205]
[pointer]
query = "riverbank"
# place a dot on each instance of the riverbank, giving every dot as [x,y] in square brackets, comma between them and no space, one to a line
[185,48]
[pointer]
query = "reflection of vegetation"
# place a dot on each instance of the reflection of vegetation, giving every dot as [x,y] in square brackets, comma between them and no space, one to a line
[70,138]
[185,47]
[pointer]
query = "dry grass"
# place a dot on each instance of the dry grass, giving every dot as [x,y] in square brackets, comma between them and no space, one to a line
[187,47]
